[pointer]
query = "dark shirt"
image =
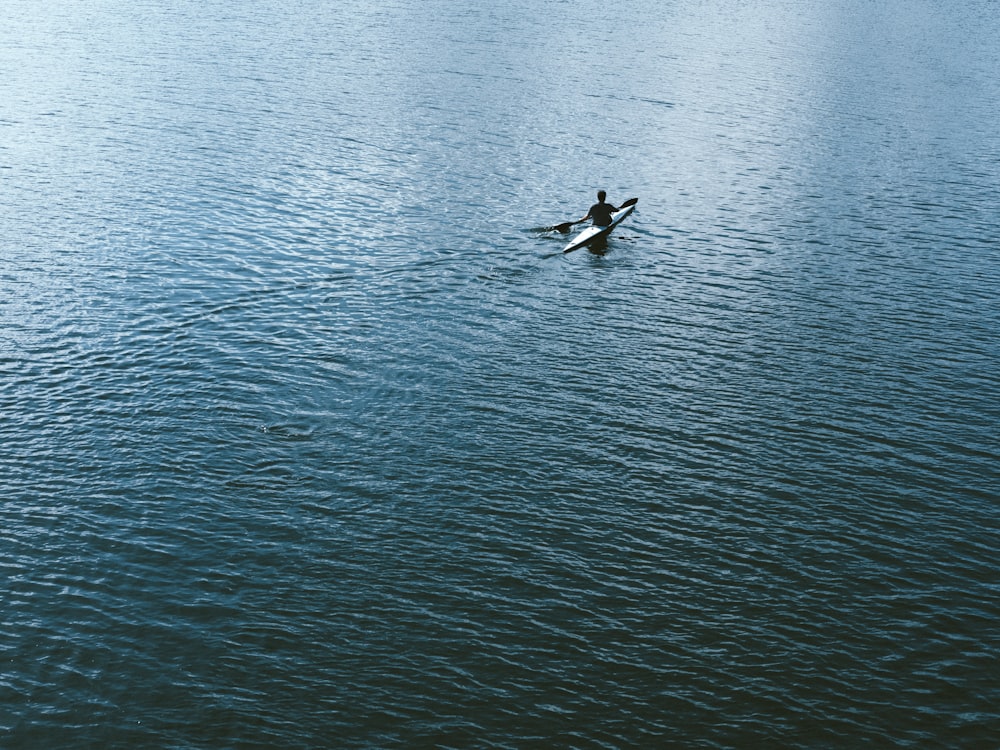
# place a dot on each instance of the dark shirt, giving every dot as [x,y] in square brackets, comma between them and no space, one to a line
[601,213]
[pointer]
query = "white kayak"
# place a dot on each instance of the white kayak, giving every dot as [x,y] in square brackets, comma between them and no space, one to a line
[594,234]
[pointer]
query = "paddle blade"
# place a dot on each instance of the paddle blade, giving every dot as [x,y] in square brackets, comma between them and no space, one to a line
[564,227]
[629,202]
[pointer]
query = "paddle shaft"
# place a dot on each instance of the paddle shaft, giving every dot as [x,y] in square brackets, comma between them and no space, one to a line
[566,225]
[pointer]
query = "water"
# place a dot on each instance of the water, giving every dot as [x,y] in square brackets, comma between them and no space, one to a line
[309,439]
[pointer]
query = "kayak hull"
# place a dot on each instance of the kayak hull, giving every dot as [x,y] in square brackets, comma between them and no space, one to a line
[596,235]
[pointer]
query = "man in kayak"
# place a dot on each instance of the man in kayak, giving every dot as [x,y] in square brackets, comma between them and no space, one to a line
[600,212]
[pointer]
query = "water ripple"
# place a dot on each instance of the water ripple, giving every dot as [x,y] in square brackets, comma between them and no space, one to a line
[305,439]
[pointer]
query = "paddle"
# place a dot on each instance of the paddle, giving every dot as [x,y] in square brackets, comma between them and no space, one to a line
[626,204]
[566,225]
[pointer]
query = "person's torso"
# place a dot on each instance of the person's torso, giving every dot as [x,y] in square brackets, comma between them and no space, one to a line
[601,213]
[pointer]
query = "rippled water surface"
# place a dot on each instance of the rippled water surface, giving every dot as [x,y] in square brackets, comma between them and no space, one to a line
[311,437]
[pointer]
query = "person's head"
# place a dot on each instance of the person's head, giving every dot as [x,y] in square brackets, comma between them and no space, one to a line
[601,195]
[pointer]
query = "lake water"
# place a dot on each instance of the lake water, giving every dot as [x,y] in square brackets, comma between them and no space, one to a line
[311,437]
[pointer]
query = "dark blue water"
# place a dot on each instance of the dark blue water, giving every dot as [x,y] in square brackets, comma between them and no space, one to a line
[309,437]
